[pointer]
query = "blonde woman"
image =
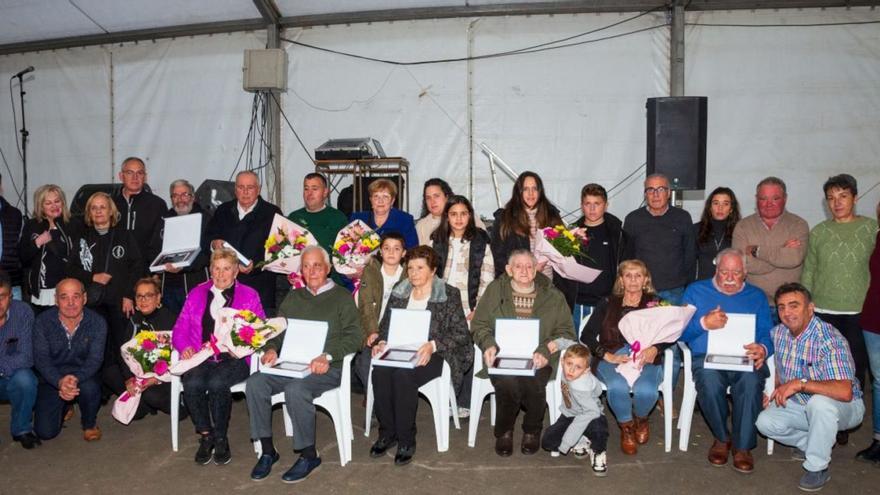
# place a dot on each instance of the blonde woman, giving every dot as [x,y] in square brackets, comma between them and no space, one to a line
[45,246]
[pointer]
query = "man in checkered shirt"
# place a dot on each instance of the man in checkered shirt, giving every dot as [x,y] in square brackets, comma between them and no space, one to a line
[816,393]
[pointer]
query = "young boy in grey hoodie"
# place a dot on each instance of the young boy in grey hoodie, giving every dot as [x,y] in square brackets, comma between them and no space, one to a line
[581,410]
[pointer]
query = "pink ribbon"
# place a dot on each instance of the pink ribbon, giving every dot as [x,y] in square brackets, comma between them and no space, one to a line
[636,347]
[213,344]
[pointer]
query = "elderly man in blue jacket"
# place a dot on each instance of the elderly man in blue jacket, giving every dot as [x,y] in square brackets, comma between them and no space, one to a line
[728,292]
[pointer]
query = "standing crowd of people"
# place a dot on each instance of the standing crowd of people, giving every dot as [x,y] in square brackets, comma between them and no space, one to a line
[85,290]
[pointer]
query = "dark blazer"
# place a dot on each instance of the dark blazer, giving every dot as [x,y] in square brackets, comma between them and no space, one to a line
[89,254]
[53,255]
[448,325]
[141,214]
[196,273]
[10,219]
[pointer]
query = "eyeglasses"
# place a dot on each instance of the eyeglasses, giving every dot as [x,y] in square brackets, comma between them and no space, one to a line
[656,190]
[144,297]
[134,173]
[381,197]
[181,195]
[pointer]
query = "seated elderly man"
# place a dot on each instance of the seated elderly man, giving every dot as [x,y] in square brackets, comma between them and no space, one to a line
[68,351]
[728,292]
[522,292]
[321,299]
[18,384]
[816,394]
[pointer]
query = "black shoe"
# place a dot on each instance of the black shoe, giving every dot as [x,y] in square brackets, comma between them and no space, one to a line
[206,447]
[404,455]
[871,454]
[222,455]
[301,469]
[842,437]
[264,466]
[504,444]
[381,447]
[28,440]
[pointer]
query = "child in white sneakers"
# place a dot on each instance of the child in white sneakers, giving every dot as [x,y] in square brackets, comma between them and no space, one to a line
[581,410]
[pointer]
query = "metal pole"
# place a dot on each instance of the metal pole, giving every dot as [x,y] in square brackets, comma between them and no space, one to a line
[24,140]
[273,36]
[676,51]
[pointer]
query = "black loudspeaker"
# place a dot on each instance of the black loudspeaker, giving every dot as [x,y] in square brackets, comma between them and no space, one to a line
[677,140]
[213,193]
[345,201]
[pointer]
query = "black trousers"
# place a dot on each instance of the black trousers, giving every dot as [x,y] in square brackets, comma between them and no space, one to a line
[396,396]
[207,396]
[849,326]
[513,393]
[596,432]
[50,407]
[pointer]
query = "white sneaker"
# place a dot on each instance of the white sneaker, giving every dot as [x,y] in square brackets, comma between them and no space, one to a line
[600,465]
[581,449]
[464,413]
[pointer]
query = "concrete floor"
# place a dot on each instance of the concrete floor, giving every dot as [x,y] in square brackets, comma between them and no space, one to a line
[137,459]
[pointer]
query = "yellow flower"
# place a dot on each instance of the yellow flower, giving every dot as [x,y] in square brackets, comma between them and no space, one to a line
[568,235]
[145,335]
[165,353]
[269,242]
[338,244]
[257,340]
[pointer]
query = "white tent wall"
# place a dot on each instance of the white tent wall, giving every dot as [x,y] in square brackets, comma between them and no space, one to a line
[801,103]
[177,103]
[573,115]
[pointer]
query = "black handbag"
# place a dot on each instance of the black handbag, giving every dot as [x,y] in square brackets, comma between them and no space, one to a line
[96,293]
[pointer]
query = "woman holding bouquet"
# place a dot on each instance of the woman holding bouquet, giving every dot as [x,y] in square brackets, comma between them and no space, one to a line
[206,387]
[396,390]
[383,216]
[45,246]
[632,291]
[149,315]
[519,223]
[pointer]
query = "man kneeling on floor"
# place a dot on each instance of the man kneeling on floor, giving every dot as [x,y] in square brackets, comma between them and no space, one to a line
[18,384]
[815,395]
[321,299]
[68,351]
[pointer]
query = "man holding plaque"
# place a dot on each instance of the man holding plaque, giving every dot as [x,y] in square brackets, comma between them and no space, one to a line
[177,282]
[728,292]
[816,392]
[320,300]
[522,293]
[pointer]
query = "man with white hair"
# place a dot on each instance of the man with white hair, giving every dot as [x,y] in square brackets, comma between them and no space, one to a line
[322,300]
[177,282]
[728,292]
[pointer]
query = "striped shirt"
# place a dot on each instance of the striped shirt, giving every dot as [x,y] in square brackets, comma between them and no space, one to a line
[820,352]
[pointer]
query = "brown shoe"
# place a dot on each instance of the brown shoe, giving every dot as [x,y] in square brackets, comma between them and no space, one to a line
[719,452]
[92,434]
[642,430]
[68,415]
[628,443]
[504,444]
[531,442]
[743,461]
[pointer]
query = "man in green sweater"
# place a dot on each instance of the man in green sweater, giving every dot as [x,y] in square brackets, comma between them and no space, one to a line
[321,299]
[836,267]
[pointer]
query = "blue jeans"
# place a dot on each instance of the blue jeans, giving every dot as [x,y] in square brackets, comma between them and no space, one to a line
[872,343]
[746,390]
[50,407]
[811,428]
[20,389]
[644,391]
[581,312]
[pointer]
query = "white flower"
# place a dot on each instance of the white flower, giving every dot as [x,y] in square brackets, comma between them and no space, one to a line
[287,251]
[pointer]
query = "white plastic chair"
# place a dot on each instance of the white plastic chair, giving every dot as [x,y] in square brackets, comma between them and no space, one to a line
[337,403]
[177,390]
[482,387]
[689,398]
[440,394]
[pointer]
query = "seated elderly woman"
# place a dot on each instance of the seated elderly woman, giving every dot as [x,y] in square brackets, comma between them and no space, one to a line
[206,387]
[522,292]
[396,390]
[632,290]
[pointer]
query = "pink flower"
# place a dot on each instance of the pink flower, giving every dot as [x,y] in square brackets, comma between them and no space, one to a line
[148,345]
[550,233]
[275,248]
[344,249]
[363,249]
[246,334]
[161,367]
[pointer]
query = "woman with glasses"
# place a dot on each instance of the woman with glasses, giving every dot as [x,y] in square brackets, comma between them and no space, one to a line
[45,246]
[149,315]
[384,217]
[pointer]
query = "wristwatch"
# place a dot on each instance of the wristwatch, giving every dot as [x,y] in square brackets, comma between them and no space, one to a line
[803,384]
[329,358]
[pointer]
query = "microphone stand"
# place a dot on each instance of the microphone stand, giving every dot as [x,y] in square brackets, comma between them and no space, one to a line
[24,140]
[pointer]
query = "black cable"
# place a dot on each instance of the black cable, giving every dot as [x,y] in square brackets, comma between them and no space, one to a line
[813,24]
[14,118]
[292,129]
[244,146]
[529,49]
[18,194]
[83,12]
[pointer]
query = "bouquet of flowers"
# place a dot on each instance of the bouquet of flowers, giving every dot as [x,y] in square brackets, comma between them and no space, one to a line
[658,323]
[560,246]
[247,332]
[354,247]
[148,355]
[285,245]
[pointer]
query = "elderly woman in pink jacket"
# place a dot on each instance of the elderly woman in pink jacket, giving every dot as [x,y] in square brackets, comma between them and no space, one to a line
[206,387]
